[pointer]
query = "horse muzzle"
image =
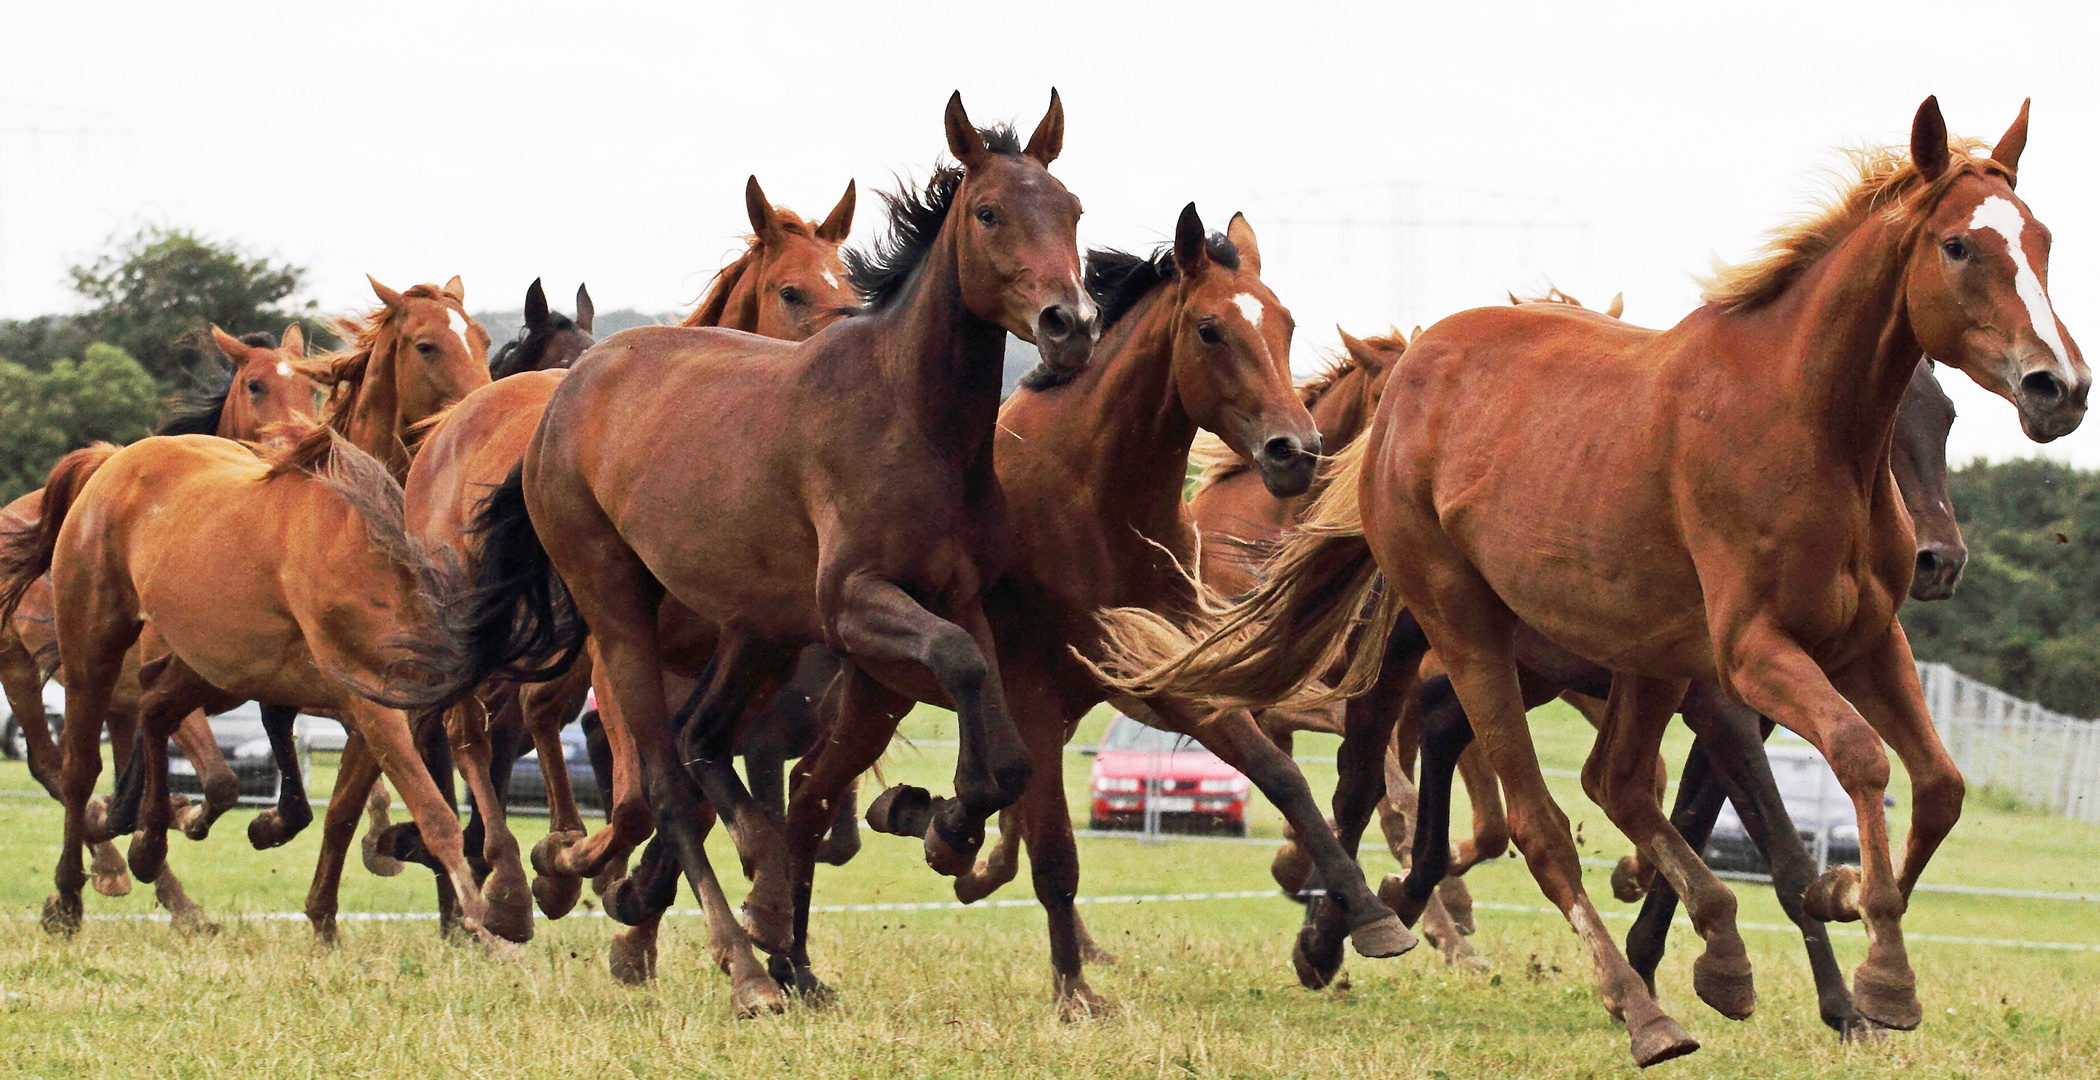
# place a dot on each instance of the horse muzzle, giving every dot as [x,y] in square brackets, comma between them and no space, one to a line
[1287,464]
[1938,572]
[1065,334]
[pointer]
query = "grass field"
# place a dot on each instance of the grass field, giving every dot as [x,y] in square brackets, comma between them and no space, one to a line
[1203,988]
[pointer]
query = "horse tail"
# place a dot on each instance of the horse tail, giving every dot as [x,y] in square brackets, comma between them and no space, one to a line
[520,614]
[1322,597]
[26,549]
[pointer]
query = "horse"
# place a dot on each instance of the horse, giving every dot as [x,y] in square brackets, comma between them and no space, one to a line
[1712,501]
[549,339]
[469,450]
[301,553]
[254,392]
[859,510]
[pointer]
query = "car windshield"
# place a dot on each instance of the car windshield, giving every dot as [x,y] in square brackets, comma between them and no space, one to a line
[1127,734]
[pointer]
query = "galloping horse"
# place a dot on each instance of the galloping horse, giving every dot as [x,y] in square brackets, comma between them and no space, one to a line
[287,580]
[789,278]
[1712,501]
[858,508]
[240,400]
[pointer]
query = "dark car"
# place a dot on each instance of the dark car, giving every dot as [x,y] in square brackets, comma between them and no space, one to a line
[246,747]
[528,782]
[1197,792]
[1821,810]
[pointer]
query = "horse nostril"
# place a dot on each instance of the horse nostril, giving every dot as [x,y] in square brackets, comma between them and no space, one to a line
[1055,323]
[1282,448]
[1928,564]
[2044,385]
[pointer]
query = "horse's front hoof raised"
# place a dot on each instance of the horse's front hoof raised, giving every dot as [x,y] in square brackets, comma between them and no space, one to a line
[1725,984]
[556,894]
[108,873]
[951,856]
[1382,937]
[268,830]
[383,865]
[1834,895]
[1626,883]
[1658,1040]
[149,854]
[902,810]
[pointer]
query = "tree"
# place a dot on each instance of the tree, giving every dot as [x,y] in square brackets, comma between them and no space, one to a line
[156,295]
[106,395]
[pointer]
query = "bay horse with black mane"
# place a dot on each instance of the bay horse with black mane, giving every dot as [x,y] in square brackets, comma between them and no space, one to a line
[253,392]
[1712,502]
[549,339]
[859,509]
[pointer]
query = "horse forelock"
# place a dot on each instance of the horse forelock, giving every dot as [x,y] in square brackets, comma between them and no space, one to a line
[1883,180]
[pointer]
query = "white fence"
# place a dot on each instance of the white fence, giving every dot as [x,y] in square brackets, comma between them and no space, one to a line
[2043,759]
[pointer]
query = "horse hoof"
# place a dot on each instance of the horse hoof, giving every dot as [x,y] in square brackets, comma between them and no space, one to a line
[194,924]
[149,854]
[1725,984]
[509,918]
[195,821]
[61,915]
[757,996]
[556,894]
[379,864]
[840,846]
[946,858]
[108,872]
[1890,1000]
[609,876]
[1626,880]
[1834,895]
[632,957]
[976,885]
[1382,937]
[902,810]
[547,855]
[1077,1001]
[627,903]
[767,920]
[1658,1040]
[266,830]
[1458,903]
[1315,959]
[1291,868]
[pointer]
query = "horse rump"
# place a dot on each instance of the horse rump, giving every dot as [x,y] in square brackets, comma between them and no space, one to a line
[26,550]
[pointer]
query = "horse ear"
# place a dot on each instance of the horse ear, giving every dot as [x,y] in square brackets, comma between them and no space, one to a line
[1242,236]
[2014,142]
[1617,307]
[535,306]
[1360,354]
[1049,138]
[456,289]
[294,340]
[1513,301]
[230,345]
[1189,253]
[386,296]
[963,140]
[584,309]
[1928,140]
[839,222]
[765,224]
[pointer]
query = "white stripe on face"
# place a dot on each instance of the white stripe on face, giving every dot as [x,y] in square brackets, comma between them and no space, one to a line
[1999,215]
[284,368]
[458,323]
[1250,308]
[829,280]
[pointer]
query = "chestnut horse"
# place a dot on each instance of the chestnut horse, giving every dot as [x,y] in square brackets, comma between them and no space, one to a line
[475,445]
[255,391]
[858,509]
[1712,501]
[332,607]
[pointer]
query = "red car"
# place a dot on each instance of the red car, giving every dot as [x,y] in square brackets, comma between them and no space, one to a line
[1196,791]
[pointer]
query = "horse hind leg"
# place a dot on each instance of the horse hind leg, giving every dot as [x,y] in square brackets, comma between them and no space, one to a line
[222,790]
[176,693]
[505,890]
[292,814]
[1001,862]
[355,778]
[377,804]
[542,710]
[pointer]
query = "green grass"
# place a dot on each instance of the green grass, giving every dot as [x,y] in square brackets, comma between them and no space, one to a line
[1203,989]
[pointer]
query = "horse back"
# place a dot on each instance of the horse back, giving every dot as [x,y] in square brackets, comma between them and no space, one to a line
[470,451]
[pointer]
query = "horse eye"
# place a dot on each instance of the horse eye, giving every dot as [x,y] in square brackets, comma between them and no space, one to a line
[987,215]
[790,294]
[1208,333]
[1955,249]
[426,348]
[255,386]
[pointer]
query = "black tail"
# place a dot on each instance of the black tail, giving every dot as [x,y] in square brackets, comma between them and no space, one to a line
[521,613]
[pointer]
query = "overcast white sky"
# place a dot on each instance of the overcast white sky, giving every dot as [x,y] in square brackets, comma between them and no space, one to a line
[609,142]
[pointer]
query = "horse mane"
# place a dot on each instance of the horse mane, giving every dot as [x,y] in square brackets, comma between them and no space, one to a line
[713,308]
[915,222]
[345,370]
[196,410]
[362,481]
[1884,181]
[1117,280]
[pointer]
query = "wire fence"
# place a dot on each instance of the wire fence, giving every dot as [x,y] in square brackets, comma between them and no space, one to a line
[2041,759]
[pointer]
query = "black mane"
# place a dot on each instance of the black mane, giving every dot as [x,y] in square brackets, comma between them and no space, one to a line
[915,220]
[522,353]
[196,411]
[1117,280]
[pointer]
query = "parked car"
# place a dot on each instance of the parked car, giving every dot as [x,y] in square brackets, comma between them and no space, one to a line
[1814,799]
[239,733]
[1197,792]
[528,782]
[14,740]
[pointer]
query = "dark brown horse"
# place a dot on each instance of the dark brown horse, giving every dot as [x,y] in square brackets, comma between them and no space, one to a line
[1709,502]
[855,506]
[549,339]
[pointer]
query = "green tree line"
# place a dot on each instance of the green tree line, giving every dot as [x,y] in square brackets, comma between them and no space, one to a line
[149,303]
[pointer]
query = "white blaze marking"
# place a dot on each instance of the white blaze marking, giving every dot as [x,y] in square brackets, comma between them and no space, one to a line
[829,280]
[284,368]
[1250,308]
[458,323]
[1999,215]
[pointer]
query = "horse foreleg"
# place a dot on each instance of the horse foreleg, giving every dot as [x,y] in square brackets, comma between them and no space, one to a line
[175,695]
[222,790]
[277,825]
[505,890]
[543,708]
[1000,863]
[629,817]
[23,683]
[355,778]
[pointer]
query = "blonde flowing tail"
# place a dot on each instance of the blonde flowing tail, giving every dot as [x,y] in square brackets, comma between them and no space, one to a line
[1314,608]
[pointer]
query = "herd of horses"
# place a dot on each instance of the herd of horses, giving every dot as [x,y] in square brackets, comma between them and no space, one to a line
[772,530]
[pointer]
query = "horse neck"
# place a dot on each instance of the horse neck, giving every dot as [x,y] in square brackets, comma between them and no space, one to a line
[943,364]
[1127,431]
[1844,342]
[731,303]
[234,419]
[1340,414]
